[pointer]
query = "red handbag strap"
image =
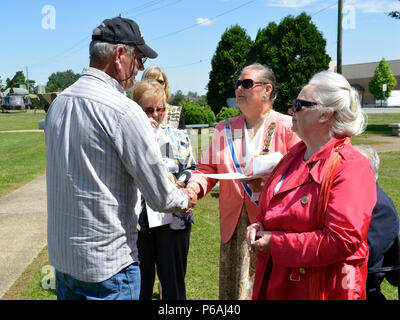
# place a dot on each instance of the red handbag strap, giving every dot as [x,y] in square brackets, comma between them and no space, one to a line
[318,278]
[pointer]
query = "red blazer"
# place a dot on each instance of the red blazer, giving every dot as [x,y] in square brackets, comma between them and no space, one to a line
[300,249]
[218,160]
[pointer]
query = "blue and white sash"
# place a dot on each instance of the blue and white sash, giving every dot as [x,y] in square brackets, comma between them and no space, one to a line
[228,135]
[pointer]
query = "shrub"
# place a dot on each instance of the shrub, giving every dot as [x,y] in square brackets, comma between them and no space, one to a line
[197,114]
[226,113]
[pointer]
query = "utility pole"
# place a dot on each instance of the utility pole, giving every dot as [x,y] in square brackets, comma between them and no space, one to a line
[27,80]
[339,41]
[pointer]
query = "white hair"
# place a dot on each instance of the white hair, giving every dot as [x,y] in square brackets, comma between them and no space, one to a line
[100,51]
[332,90]
[372,156]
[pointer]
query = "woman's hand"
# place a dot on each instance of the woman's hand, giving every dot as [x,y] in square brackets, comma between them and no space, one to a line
[263,241]
[154,123]
[193,186]
[251,234]
[256,184]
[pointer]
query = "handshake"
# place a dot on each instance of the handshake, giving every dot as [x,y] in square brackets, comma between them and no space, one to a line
[191,190]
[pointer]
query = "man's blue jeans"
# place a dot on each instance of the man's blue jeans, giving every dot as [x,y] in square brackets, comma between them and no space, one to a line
[125,285]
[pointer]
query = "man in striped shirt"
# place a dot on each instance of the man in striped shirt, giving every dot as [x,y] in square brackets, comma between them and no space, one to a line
[101,151]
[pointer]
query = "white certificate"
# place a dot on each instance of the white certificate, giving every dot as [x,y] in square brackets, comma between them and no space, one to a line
[226,176]
[157,219]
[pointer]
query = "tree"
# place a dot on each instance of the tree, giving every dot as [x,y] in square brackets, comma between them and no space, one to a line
[61,80]
[394,14]
[383,75]
[19,78]
[31,85]
[178,98]
[294,50]
[228,60]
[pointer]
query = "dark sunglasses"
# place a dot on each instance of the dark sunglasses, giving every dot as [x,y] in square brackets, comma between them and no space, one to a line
[150,111]
[161,82]
[298,104]
[247,83]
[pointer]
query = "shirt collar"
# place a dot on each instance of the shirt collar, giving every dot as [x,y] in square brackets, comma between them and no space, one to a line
[336,142]
[93,72]
[325,152]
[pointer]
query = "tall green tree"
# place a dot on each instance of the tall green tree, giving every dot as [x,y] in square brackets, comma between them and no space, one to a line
[61,80]
[383,75]
[19,78]
[228,60]
[295,50]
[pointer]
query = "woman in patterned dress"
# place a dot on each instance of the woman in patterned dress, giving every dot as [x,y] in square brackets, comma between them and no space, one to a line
[165,244]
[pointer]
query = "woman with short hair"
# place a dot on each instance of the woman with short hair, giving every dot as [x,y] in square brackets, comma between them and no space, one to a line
[163,240]
[173,114]
[236,142]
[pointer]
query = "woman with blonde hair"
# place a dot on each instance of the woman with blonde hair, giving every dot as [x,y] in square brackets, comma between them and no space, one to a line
[173,114]
[163,240]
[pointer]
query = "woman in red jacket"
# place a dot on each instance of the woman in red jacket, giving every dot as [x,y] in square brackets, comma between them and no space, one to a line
[315,208]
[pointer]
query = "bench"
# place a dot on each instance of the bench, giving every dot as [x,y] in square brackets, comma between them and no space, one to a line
[395,129]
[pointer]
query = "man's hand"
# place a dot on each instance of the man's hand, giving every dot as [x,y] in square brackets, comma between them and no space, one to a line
[192,201]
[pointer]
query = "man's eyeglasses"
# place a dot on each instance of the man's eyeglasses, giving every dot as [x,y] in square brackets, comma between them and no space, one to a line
[150,111]
[298,104]
[247,83]
[143,60]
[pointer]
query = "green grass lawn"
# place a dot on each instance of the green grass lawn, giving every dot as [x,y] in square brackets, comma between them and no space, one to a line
[16,120]
[378,124]
[22,156]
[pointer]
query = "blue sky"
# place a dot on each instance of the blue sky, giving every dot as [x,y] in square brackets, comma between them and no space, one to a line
[185,33]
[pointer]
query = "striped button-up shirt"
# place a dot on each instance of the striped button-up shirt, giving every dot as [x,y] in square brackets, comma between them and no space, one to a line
[100,150]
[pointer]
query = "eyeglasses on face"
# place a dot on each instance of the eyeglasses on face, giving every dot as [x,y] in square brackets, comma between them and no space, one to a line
[150,111]
[161,81]
[247,83]
[134,52]
[143,60]
[298,104]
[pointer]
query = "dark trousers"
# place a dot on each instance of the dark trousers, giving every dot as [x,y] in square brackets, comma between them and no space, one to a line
[167,250]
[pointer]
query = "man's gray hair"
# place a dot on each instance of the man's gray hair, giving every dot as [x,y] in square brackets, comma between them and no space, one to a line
[372,156]
[100,51]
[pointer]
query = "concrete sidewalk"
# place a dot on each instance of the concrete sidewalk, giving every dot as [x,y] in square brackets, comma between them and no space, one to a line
[23,230]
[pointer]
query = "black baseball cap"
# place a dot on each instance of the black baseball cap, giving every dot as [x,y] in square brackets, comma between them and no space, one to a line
[123,31]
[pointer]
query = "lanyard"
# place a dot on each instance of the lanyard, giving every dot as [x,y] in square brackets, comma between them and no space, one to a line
[268,138]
